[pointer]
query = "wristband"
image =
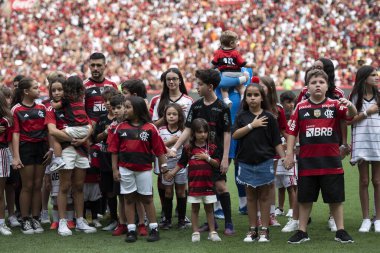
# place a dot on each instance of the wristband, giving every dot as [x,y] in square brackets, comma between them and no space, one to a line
[51,149]
[249,126]
[173,149]
[164,165]
[365,114]
[209,159]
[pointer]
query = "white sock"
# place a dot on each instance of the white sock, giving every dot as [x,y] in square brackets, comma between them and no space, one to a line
[131,227]
[242,202]
[54,214]
[272,209]
[258,214]
[70,215]
[2,221]
[153,225]
[217,205]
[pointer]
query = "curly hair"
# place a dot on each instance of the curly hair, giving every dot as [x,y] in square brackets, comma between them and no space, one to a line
[73,88]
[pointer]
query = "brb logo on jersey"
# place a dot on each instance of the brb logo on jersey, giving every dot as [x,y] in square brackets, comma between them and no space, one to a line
[319,131]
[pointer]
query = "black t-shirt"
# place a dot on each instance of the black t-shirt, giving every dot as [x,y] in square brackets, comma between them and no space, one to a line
[259,144]
[216,114]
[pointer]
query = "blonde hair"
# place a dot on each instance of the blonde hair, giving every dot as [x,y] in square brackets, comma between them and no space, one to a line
[227,38]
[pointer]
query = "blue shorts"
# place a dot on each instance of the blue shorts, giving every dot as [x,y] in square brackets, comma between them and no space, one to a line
[256,175]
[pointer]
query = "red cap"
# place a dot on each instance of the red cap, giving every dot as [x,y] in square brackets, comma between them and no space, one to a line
[255,79]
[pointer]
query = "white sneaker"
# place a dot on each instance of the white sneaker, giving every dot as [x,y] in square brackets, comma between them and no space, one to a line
[83,227]
[331,224]
[111,226]
[376,224]
[45,219]
[366,226]
[13,222]
[213,236]
[278,212]
[196,237]
[96,223]
[4,230]
[63,230]
[291,226]
[56,164]
[290,213]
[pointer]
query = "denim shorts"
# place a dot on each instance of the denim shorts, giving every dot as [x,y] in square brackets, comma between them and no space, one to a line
[256,175]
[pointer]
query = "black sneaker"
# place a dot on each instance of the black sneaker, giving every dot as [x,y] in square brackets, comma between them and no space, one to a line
[299,237]
[166,225]
[153,235]
[26,227]
[36,225]
[182,224]
[131,236]
[343,237]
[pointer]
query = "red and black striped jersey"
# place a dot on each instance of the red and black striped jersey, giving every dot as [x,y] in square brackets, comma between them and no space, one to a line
[228,60]
[29,122]
[94,103]
[200,173]
[318,126]
[75,114]
[6,136]
[137,146]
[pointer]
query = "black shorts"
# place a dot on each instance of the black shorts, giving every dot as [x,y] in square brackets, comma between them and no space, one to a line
[33,152]
[331,186]
[116,188]
[106,182]
[218,176]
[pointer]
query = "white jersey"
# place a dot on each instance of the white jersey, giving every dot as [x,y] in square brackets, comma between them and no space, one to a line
[366,136]
[184,101]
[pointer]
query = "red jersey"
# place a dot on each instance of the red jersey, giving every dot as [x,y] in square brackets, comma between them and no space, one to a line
[153,103]
[318,127]
[6,136]
[304,94]
[281,119]
[228,60]
[136,146]
[56,117]
[30,122]
[200,172]
[94,103]
[93,173]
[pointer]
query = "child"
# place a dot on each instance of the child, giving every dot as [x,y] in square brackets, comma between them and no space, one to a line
[286,179]
[259,140]
[173,126]
[203,158]
[100,136]
[78,123]
[218,116]
[118,110]
[134,87]
[365,141]
[5,138]
[30,151]
[317,121]
[227,59]
[133,145]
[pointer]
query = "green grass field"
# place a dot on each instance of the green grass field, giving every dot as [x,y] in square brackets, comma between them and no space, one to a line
[322,240]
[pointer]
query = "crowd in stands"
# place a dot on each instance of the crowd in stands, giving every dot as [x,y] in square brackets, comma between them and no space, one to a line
[141,38]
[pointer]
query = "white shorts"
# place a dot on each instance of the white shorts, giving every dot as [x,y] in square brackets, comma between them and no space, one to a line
[209,199]
[285,181]
[77,132]
[91,192]
[5,162]
[74,160]
[180,178]
[131,181]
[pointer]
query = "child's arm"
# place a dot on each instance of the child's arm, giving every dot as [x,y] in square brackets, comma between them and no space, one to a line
[226,149]
[170,174]
[243,131]
[17,164]
[289,157]
[172,141]
[363,115]
[351,112]
[115,167]
[280,150]
[205,157]
[184,137]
